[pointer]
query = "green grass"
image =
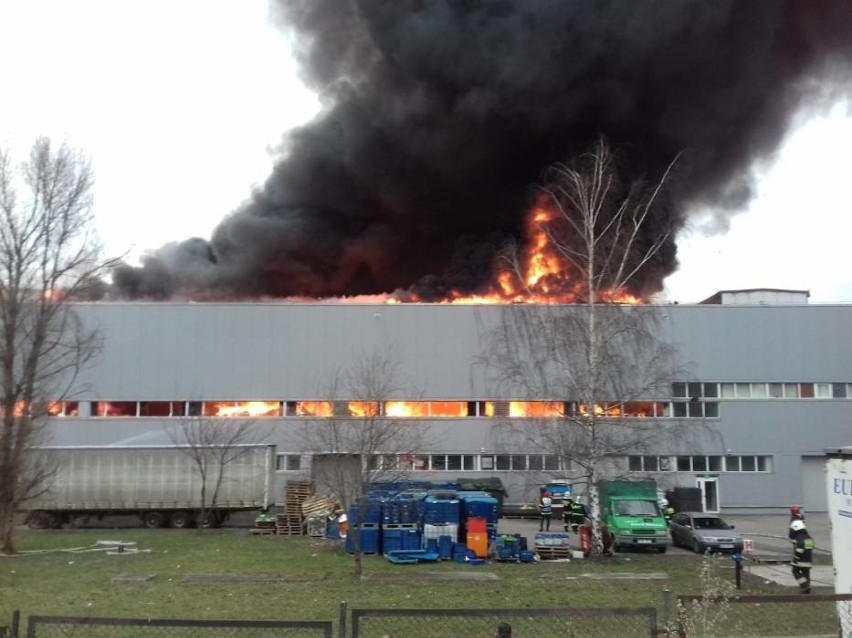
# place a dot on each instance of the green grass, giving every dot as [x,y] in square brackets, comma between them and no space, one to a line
[314,577]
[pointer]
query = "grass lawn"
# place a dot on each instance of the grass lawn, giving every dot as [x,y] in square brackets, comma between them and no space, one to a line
[298,578]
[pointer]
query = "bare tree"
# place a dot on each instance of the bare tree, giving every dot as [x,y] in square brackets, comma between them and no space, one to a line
[48,256]
[362,442]
[604,359]
[212,445]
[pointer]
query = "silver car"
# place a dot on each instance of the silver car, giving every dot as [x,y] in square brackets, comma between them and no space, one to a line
[704,532]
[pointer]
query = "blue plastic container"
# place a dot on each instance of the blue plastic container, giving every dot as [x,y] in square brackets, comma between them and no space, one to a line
[526,556]
[410,538]
[391,540]
[432,545]
[445,546]
[369,540]
[441,511]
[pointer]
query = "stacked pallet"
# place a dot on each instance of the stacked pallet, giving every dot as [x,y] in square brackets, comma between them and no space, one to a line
[291,521]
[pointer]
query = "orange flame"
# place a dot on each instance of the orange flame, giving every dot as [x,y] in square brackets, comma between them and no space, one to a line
[542,275]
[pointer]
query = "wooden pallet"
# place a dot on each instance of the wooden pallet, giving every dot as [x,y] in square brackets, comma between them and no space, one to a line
[289,525]
[553,552]
[263,531]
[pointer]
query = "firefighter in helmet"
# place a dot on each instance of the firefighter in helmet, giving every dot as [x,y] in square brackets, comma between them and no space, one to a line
[803,549]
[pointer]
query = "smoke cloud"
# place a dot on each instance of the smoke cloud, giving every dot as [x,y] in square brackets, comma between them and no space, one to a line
[441,114]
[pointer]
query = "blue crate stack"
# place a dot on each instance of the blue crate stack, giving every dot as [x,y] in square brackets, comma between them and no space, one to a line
[477,504]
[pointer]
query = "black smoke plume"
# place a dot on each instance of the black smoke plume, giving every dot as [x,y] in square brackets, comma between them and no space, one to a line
[442,113]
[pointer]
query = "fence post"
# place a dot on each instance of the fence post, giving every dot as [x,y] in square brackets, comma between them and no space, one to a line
[667,609]
[341,621]
[16,621]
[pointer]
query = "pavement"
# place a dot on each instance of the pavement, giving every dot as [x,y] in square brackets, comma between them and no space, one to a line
[772,551]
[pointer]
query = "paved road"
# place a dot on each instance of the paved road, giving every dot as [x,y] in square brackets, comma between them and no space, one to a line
[768,532]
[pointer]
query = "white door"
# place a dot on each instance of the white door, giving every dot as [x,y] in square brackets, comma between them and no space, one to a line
[709,493]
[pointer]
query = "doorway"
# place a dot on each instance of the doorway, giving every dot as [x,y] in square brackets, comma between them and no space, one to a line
[709,493]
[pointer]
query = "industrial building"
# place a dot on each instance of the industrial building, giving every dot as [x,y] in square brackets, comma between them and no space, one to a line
[771,378]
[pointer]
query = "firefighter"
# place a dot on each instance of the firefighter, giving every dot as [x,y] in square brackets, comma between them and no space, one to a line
[668,510]
[578,515]
[803,549]
[567,513]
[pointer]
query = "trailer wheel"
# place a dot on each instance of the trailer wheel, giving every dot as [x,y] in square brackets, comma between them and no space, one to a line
[180,520]
[153,520]
[211,519]
[43,520]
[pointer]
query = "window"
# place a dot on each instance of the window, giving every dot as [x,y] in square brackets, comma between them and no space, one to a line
[776,390]
[63,408]
[536,462]
[159,408]
[679,390]
[409,409]
[242,409]
[742,390]
[693,391]
[649,463]
[747,464]
[711,410]
[838,390]
[448,408]
[684,463]
[114,408]
[711,390]
[806,390]
[519,462]
[822,390]
[288,462]
[695,409]
[551,463]
[439,462]
[486,462]
[699,463]
[454,462]
[634,463]
[728,391]
[758,390]
[791,390]
[732,464]
[714,463]
[503,462]
[679,409]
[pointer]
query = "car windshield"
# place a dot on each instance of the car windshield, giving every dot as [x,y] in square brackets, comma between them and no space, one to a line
[709,522]
[636,508]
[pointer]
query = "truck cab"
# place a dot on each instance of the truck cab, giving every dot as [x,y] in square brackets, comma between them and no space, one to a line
[632,515]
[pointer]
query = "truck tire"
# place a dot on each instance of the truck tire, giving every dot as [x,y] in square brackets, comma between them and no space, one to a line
[153,520]
[43,520]
[662,550]
[210,520]
[180,520]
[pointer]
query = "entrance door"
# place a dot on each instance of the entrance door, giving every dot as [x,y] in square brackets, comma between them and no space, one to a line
[709,493]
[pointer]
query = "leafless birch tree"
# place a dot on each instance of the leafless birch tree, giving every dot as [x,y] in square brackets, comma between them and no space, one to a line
[212,445]
[48,256]
[605,360]
[362,443]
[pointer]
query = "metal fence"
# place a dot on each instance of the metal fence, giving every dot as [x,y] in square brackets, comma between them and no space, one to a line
[70,627]
[526,623]
[764,616]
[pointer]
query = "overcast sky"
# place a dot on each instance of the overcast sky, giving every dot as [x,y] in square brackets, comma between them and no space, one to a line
[180,105]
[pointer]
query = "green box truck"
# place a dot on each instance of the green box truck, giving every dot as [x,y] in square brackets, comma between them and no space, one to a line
[632,515]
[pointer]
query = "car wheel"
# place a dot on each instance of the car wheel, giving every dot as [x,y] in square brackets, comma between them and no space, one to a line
[697,547]
[661,550]
[675,542]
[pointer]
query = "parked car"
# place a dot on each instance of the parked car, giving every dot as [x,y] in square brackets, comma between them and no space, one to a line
[704,532]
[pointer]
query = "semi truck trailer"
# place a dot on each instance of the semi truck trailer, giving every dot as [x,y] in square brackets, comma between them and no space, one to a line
[159,484]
